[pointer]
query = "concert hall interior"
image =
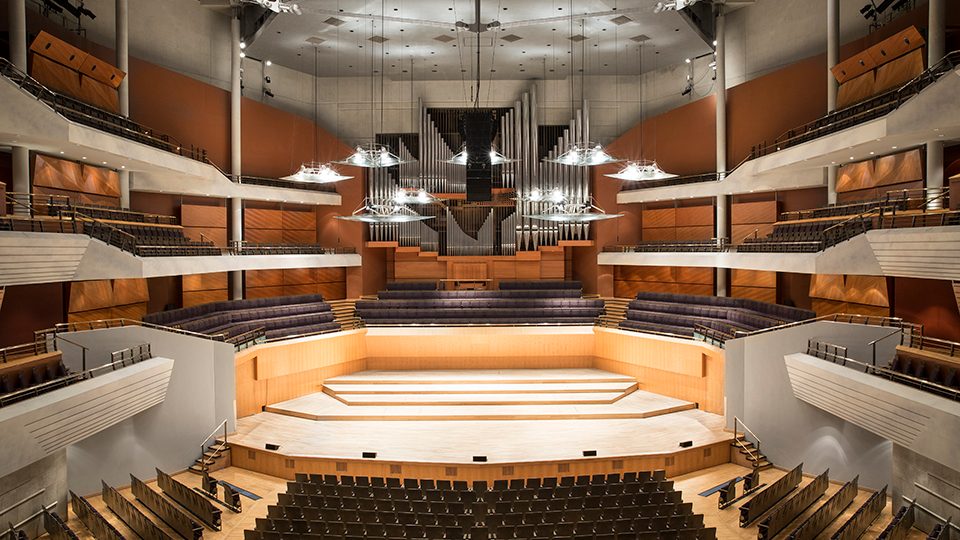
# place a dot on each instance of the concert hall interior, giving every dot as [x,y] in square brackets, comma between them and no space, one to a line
[479,269]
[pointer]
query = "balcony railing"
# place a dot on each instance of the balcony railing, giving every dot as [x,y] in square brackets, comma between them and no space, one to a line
[83,113]
[859,113]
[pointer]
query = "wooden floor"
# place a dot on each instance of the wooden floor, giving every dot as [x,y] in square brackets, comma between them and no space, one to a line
[727,521]
[502,441]
[509,394]
[267,487]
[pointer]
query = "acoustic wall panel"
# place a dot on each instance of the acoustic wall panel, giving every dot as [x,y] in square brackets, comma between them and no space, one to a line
[81,182]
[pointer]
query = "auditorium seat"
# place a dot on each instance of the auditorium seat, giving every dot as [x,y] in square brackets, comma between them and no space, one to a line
[22,372]
[278,316]
[518,302]
[919,365]
[634,505]
[682,314]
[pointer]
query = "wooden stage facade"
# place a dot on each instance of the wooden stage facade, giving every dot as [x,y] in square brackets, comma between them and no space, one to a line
[521,422]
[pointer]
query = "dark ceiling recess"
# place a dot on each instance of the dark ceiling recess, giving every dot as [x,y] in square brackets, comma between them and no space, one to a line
[700,17]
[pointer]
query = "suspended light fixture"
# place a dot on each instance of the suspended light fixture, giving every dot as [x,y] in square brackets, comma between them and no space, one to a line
[317,173]
[584,154]
[581,153]
[554,195]
[372,156]
[496,158]
[314,171]
[574,213]
[642,170]
[383,211]
[638,171]
[413,196]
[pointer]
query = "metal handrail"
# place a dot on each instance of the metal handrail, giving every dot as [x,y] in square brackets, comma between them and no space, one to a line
[952,347]
[123,321]
[64,381]
[13,527]
[19,351]
[737,421]
[837,317]
[891,99]
[83,349]
[873,344]
[885,372]
[23,500]
[53,100]
[223,444]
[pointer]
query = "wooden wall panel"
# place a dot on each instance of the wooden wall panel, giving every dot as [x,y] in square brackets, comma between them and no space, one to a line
[663,217]
[739,232]
[299,276]
[59,51]
[204,288]
[102,72]
[212,216]
[695,216]
[264,278]
[262,218]
[753,212]
[301,219]
[866,295]
[703,232]
[55,76]
[753,278]
[629,280]
[761,294]
[107,299]
[76,180]
[856,90]
[264,292]
[898,168]
[660,234]
[872,178]
[691,274]
[299,236]
[99,95]
[263,236]
[217,236]
[898,72]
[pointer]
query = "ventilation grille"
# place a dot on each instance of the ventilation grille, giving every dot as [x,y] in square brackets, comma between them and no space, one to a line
[621,20]
[333,21]
[511,38]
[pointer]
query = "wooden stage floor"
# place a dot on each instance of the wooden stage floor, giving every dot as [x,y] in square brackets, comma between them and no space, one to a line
[524,417]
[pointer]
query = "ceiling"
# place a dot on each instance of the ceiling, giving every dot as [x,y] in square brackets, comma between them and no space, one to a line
[422,41]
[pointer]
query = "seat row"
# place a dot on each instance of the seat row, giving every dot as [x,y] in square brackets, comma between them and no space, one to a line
[681,314]
[926,366]
[514,484]
[650,487]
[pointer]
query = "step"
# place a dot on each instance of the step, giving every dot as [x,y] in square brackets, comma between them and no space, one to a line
[482,376]
[419,399]
[481,388]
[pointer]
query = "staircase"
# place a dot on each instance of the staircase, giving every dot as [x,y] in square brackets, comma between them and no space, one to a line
[215,457]
[748,455]
[614,311]
[345,312]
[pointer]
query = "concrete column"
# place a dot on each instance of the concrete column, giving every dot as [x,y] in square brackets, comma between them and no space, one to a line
[236,204]
[936,48]
[723,201]
[721,93]
[123,54]
[833,51]
[236,234]
[124,189]
[723,218]
[833,58]
[935,181]
[17,16]
[21,175]
[235,95]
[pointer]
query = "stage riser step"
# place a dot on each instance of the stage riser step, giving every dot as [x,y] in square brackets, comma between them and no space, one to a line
[427,400]
[475,416]
[515,388]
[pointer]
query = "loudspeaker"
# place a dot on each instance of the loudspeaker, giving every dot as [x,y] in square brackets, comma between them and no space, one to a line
[477,131]
[589,453]
[369,455]
[480,459]
[271,446]
[686,444]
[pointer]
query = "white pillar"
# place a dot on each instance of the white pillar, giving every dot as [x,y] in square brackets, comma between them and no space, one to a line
[723,202]
[236,234]
[235,95]
[833,58]
[935,180]
[236,204]
[721,93]
[123,54]
[936,38]
[124,189]
[723,218]
[17,16]
[21,175]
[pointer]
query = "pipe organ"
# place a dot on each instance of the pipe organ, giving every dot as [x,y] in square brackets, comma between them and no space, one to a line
[497,227]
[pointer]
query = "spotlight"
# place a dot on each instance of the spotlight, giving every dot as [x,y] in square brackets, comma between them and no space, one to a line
[266,80]
[687,90]
[243,45]
[687,60]
[269,63]
[243,54]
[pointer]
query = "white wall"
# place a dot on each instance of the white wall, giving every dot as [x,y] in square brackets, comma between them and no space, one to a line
[189,38]
[758,391]
[201,394]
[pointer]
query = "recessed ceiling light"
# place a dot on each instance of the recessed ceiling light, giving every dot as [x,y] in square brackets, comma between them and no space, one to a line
[61,152]
[84,157]
[871,153]
[893,147]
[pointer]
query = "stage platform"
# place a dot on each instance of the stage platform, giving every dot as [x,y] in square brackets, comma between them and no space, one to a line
[532,422]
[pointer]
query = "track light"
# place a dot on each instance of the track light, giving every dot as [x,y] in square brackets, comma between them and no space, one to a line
[269,63]
[243,45]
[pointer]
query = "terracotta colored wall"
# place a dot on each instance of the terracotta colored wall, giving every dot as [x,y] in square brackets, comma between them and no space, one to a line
[929,302]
